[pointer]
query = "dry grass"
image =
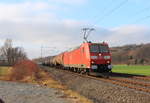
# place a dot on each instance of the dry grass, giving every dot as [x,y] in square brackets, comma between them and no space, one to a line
[5,72]
[48,81]
[29,72]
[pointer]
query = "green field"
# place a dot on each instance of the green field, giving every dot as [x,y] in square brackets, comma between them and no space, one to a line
[132,69]
[4,70]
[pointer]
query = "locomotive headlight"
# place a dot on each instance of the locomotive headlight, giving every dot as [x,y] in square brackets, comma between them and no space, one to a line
[94,67]
[106,57]
[94,57]
[92,62]
[110,66]
[108,62]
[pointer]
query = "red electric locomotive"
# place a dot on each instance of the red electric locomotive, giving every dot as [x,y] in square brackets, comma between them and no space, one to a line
[92,58]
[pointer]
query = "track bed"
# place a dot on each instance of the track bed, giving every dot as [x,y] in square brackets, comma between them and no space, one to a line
[13,92]
[100,90]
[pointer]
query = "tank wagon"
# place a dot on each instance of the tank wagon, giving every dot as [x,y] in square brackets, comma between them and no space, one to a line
[90,58]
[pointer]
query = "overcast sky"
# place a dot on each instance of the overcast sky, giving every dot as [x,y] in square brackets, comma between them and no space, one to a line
[57,24]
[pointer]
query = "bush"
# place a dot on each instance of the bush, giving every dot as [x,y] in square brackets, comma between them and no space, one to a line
[23,69]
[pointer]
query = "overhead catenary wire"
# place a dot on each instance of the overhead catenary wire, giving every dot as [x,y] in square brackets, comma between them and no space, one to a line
[141,19]
[143,10]
[112,11]
[118,7]
[140,12]
[105,8]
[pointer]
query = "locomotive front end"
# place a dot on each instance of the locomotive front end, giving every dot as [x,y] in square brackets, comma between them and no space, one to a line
[100,58]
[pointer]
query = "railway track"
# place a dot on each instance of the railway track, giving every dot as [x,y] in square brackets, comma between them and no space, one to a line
[142,78]
[136,85]
[146,78]
[145,87]
[132,82]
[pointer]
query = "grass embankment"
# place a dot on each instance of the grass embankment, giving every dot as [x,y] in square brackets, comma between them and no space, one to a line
[4,72]
[132,69]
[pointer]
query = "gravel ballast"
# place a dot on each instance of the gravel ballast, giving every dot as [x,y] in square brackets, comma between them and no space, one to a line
[11,92]
[99,91]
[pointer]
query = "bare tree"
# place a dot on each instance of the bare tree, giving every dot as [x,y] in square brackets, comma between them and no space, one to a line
[12,54]
[18,54]
[6,49]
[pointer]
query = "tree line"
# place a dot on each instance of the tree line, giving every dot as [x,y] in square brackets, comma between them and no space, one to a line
[131,54]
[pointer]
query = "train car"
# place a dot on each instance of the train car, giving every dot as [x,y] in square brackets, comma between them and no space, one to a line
[57,60]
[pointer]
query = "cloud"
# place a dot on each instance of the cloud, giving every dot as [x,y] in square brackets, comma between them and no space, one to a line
[26,11]
[129,34]
[32,35]
[65,34]
[32,24]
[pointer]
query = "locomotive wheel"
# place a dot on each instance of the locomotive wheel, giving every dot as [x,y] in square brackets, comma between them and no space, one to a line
[87,72]
[83,71]
[78,70]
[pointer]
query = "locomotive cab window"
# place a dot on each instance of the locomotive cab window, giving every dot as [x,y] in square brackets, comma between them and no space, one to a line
[103,49]
[96,48]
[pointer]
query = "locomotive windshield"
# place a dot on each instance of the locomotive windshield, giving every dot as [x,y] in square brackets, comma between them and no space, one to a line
[96,48]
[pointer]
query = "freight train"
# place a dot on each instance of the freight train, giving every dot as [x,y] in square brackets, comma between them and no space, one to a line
[89,58]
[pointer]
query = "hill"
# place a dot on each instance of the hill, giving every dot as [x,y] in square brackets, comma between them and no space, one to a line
[131,54]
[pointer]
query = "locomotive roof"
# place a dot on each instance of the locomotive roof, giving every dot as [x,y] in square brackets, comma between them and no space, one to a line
[71,49]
